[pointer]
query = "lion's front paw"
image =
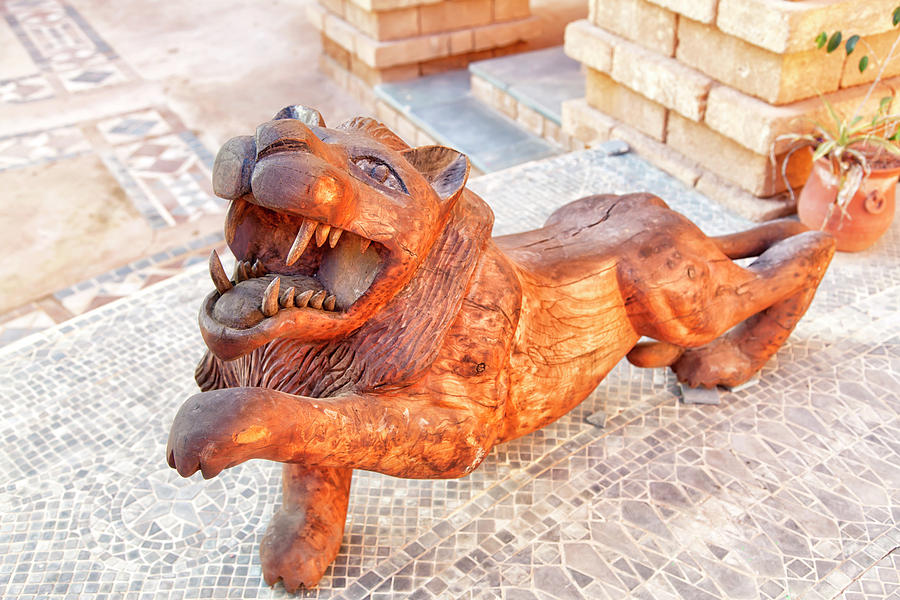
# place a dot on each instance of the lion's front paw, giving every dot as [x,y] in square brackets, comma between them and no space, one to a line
[211,433]
[297,551]
[718,363]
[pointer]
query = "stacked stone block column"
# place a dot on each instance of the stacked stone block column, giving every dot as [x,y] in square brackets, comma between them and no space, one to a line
[705,88]
[387,40]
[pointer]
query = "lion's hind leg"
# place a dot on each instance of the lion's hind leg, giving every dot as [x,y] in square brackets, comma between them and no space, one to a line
[755,241]
[734,357]
[305,533]
[745,322]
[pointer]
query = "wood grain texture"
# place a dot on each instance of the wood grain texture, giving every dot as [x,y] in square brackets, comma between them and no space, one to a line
[373,323]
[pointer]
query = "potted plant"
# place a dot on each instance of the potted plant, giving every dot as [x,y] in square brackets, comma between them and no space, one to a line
[856,161]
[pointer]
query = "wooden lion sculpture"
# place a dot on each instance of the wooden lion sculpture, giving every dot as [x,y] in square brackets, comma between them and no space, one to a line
[373,323]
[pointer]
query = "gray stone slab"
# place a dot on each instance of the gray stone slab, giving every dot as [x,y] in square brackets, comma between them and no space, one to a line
[615,147]
[490,140]
[542,79]
[426,91]
[691,395]
[516,153]
[753,381]
[442,107]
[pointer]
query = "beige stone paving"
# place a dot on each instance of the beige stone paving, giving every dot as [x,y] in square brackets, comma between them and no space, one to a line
[50,242]
[216,67]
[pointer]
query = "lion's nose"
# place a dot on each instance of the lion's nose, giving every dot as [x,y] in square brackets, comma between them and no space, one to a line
[233,168]
[286,134]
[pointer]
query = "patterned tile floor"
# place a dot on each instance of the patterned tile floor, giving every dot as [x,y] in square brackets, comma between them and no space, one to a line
[787,489]
[162,167]
[68,53]
[165,172]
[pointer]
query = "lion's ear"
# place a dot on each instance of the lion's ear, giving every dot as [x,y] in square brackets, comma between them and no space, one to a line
[444,168]
[309,116]
[377,131]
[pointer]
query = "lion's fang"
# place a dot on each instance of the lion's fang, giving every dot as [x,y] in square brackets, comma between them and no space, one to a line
[322,232]
[304,234]
[364,245]
[217,272]
[242,271]
[258,270]
[270,298]
[317,299]
[303,299]
[334,236]
[287,297]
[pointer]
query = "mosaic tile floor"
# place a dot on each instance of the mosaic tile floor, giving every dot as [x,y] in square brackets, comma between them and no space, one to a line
[788,489]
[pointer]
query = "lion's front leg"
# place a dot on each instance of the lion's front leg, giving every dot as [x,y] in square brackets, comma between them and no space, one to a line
[222,428]
[305,533]
[322,440]
[392,434]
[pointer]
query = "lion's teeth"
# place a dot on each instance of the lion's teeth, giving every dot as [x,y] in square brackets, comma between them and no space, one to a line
[335,236]
[304,234]
[235,216]
[317,299]
[364,245]
[287,297]
[242,271]
[258,270]
[322,232]
[303,299]
[217,272]
[270,298]
[329,302]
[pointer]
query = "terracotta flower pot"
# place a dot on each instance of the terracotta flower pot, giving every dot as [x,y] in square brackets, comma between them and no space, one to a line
[869,213]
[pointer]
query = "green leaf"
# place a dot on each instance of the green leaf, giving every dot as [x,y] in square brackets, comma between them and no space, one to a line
[821,39]
[896,18]
[863,64]
[835,41]
[851,44]
[838,123]
[822,150]
[878,142]
[857,125]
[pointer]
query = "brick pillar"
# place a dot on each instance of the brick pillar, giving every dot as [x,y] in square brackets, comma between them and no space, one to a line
[704,88]
[388,40]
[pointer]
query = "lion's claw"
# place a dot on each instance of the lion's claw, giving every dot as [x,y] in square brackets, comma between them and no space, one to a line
[720,362]
[201,436]
[295,552]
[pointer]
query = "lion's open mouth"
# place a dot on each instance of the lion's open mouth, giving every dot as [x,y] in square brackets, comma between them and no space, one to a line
[289,263]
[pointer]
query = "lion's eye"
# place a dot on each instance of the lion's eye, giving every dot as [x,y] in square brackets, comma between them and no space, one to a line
[380,172]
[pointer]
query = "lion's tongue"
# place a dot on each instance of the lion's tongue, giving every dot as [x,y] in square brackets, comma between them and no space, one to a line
[241,306]
[347,272]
